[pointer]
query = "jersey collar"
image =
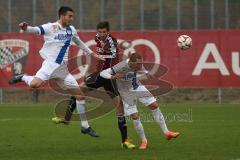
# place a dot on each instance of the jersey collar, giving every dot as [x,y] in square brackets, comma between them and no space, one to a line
[104,39]
[60,26]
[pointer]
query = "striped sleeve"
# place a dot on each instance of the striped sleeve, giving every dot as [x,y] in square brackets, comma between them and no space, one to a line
[42,31]
[113,48]
[45,28]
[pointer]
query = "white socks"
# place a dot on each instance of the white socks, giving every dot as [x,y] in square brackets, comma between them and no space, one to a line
[81,112]
[158,116]
[27,79]
[139,128]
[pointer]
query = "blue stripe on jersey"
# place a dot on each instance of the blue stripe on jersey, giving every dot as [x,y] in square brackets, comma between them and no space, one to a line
[41,30]
[134,81]
[64,48]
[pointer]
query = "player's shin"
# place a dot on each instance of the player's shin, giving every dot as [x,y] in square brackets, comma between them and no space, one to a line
[122,127]
[81,112]
[120,117]
[27,79]
[139,129]
[70,108]
[159,118]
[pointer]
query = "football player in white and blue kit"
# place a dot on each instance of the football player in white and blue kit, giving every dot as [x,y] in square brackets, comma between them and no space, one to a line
[57,40]
[131,90]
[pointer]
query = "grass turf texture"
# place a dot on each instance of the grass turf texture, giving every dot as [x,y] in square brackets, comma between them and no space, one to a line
[208,132]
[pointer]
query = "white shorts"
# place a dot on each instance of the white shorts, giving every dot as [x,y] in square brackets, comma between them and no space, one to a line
[130,98]
[52,70]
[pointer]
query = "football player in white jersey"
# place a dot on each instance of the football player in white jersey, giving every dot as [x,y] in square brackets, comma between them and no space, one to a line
[57,40]
[132,90]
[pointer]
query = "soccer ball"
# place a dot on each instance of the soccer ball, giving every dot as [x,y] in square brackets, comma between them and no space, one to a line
[184,42]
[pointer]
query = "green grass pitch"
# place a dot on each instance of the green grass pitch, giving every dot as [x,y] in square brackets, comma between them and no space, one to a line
[207,132]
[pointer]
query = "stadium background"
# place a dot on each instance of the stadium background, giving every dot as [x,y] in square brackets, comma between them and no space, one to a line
[134,15]
[207,117]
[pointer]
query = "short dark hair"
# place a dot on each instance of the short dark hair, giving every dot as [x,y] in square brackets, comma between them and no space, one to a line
[135,57]
[104,24]
[63,10]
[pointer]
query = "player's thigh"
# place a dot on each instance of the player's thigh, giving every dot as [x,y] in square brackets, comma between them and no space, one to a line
[147,101]
[144,96]
[93,81]
[110,87]
[47,70]
[141,91]
[127,96]
[73,87]
[129,109]
[118,105]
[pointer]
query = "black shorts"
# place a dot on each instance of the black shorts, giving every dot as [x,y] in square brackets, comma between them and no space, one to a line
[94,81]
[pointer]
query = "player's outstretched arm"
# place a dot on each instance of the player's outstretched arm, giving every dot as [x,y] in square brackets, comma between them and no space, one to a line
[85,48]
[24,27]
[108,74]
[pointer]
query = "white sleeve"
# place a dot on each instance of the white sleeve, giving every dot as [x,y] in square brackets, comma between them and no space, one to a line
[80,43]
[119,66]
[41,30]
[31,29]
[107,73]
[142,73]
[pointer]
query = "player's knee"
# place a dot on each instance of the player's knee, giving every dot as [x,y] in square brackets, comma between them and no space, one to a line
[35,84]
[134,116]
[79,97]
[153,106]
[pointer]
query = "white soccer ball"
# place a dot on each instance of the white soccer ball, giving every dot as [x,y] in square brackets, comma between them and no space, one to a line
[184,42]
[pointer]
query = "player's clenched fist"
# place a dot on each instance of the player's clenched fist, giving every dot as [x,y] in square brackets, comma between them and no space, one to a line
[23,25]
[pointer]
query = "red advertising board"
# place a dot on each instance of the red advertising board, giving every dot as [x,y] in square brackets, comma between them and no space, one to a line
[211,62]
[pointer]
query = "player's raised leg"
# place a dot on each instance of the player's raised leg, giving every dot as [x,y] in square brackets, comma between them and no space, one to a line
[42,75]
[31,81]
[70,108]
[75,90]
[159,118]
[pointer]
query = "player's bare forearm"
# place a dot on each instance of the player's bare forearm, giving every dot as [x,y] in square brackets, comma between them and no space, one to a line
[97,56]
